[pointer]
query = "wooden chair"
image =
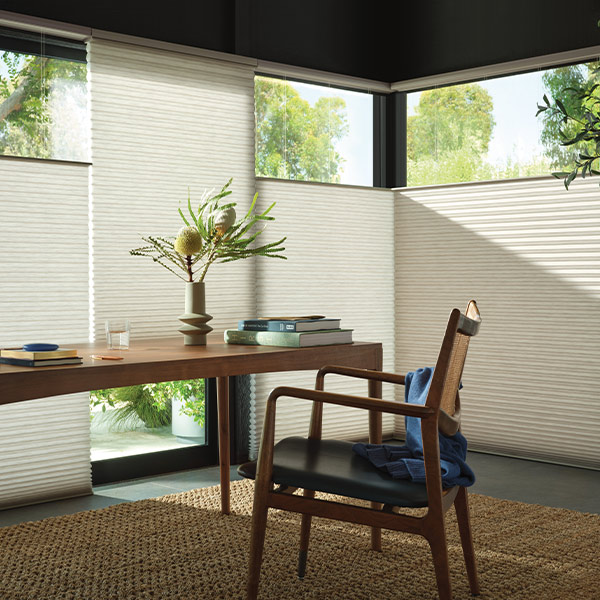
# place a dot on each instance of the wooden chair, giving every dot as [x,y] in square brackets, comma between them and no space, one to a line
[331,466]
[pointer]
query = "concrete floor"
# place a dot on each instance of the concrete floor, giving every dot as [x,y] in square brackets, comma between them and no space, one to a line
[497,476]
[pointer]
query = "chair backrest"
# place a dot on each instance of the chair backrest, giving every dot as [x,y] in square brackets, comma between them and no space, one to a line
[443,393]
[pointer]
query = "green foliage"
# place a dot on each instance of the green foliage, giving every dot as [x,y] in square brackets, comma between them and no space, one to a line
[236,243]
[449,136]
[26,92]
[462,164]
[572,121]
[151,403]
[295,140]
[449,119]
[190,391]
[131,403]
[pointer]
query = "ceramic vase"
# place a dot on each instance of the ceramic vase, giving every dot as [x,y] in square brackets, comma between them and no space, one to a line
[194,318]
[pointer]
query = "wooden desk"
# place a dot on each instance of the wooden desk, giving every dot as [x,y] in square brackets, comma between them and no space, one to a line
[167,359]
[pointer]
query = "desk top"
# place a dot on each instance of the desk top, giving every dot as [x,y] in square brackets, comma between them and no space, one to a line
[167,359]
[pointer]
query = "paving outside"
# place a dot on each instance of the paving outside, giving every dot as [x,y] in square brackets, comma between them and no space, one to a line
[114,444]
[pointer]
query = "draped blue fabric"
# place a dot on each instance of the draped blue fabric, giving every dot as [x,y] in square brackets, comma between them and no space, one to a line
[406,462]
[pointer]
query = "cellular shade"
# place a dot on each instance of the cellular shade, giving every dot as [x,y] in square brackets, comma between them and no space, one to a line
[44,245]
[527,251]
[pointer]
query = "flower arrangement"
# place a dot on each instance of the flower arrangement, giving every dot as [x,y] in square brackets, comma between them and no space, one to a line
[210,234]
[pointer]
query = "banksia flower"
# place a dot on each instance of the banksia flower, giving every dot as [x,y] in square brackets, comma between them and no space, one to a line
[225,219]
[188,242]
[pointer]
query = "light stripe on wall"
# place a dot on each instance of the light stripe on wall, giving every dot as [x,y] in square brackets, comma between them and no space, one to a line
[529,252]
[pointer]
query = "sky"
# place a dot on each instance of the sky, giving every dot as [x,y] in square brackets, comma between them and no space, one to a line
[517,130]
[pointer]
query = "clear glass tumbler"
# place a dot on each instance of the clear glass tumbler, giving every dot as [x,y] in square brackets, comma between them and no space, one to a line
[117,334]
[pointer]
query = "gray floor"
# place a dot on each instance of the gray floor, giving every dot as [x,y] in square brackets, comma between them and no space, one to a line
[497,476]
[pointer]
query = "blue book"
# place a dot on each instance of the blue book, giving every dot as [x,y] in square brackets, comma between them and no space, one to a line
[288,325]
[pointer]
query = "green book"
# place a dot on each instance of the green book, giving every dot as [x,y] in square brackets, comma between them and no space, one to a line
[290,339]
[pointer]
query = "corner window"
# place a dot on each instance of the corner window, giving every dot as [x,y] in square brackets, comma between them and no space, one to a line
[489,129]
[43,97]
[312,132]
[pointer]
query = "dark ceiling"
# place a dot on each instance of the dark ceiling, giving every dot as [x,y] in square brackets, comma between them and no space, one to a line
[382,40]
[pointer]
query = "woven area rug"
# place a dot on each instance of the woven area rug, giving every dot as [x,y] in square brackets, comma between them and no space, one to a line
[180,547]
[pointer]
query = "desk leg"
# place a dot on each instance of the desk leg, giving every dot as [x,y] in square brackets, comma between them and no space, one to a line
[224,459]
[375,434]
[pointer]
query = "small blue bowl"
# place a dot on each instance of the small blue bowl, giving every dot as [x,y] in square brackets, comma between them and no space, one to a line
[39,347]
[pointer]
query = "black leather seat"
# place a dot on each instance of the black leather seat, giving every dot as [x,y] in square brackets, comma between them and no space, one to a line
[331,466]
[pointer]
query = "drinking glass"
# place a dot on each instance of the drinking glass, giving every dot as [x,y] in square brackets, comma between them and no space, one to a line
[117,334]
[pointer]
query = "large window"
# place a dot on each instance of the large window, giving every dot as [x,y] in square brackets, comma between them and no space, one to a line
[43,97]
[313,132]
[489,129]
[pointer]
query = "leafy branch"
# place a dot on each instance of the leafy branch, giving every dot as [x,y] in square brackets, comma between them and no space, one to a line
[211,234]
[586,130]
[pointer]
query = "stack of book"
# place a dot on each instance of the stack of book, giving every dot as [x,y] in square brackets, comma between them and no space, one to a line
[39,358]
[293,332]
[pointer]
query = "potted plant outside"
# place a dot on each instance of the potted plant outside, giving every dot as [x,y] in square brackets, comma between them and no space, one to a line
[180,404]
[187,399]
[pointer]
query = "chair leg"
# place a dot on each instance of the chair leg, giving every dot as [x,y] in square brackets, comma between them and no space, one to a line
[304,538]
[376,531]
[439,550]
[257,542]
[461,505]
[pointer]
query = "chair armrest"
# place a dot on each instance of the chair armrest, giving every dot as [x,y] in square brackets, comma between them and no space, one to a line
[377,404]
[361,374]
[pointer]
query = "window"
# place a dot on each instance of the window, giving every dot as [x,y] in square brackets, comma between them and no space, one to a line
[489,129]
[313,133]
[43,97]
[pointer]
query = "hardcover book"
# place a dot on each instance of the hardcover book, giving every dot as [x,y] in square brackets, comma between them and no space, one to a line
[290,339]
[39,355]
[287,324]
[48,362]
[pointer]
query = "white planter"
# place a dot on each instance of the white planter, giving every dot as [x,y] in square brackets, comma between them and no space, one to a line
[183,425]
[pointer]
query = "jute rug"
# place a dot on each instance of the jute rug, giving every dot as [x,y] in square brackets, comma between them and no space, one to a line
[180,547]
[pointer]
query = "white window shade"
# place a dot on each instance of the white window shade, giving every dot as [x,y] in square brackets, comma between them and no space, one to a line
[340,264]
[527,250]
[44,245]
[163,122]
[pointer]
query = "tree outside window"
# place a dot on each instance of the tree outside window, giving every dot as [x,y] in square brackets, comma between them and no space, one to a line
[489,129]
[43,107]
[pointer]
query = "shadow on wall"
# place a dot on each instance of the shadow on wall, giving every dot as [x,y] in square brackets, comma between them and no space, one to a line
[532,375]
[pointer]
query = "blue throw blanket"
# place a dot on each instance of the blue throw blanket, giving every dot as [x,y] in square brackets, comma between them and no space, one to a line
[406,462]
